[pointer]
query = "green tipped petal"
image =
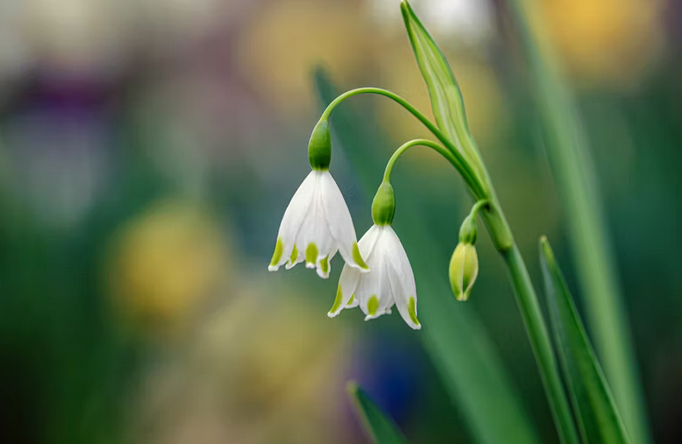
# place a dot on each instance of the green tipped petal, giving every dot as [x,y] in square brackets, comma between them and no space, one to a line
[412,309]
[337,301]
[277,255]
[358,258]
[372,305]
[324,264]
[352,300]
[294,255]
[311,253]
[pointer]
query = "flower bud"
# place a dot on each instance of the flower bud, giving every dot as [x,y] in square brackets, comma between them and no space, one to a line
[320,146]
[383,205]
[463,270]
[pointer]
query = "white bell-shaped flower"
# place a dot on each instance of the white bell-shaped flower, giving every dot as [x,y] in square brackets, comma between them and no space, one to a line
[390,281]
[316,225]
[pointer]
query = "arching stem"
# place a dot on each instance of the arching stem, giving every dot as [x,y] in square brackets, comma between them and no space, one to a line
[470,177]
[419,142]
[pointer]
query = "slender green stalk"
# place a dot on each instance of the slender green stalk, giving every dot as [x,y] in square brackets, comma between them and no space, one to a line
[461,164]
[529,307]
[576,180]
[417,142]
[493,216]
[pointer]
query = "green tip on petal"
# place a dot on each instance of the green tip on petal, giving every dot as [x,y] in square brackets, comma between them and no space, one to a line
[277,255]
[337,302]
[412,310]
[352,300]
[372,305]
[324,264]
[294,255]
[358,258]
[311,253]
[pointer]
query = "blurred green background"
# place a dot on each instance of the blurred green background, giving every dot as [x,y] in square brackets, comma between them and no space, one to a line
[148,149]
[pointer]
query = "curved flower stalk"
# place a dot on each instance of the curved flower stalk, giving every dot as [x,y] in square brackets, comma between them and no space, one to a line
[391,280]
[317,223]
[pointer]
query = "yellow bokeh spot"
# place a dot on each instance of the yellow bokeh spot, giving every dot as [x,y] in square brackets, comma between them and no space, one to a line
[164,262]
[604,41]
[277,53]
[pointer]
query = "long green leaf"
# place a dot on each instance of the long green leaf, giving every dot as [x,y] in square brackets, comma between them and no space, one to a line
[446,97]
[378,425]
[453,336]
[577,183]
[597,413]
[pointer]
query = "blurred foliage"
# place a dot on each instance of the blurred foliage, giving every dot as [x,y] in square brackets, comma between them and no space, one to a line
[148,149]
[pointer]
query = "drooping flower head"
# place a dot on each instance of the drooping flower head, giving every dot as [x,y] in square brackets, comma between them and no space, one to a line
[317,223]
[390,280]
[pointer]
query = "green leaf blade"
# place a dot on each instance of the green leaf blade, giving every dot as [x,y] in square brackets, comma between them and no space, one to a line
[568,151]
[377,424]
[446,97]
[596,411]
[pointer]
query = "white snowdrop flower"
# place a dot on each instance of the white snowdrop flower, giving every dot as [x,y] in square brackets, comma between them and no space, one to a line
[316,225]
[390,280]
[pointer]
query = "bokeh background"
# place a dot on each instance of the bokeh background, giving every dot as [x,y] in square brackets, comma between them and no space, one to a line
[148,149]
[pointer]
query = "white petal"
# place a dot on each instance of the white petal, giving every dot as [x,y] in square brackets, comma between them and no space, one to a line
[385,294]
[293,218]
[369,241]
[323,264]
[373,291]
[314,242]
[340,221]
[344,293]
[401,279]
[351,276]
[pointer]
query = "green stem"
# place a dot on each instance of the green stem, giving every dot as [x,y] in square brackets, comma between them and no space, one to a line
[419,142]
[529,307]
[477,206]
[462,165]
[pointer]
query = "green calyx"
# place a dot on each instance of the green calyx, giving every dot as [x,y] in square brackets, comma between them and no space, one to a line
[383,205]
[320,146]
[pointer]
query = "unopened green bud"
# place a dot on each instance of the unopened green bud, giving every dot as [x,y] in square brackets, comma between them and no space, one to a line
[383,205]
[463,270]
[320,146]
[467,232]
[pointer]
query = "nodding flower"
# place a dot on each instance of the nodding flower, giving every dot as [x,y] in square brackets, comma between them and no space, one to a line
[317,224]
[391,280]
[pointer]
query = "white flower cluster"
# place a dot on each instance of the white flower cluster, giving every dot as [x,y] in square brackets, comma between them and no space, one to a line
[377,274]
